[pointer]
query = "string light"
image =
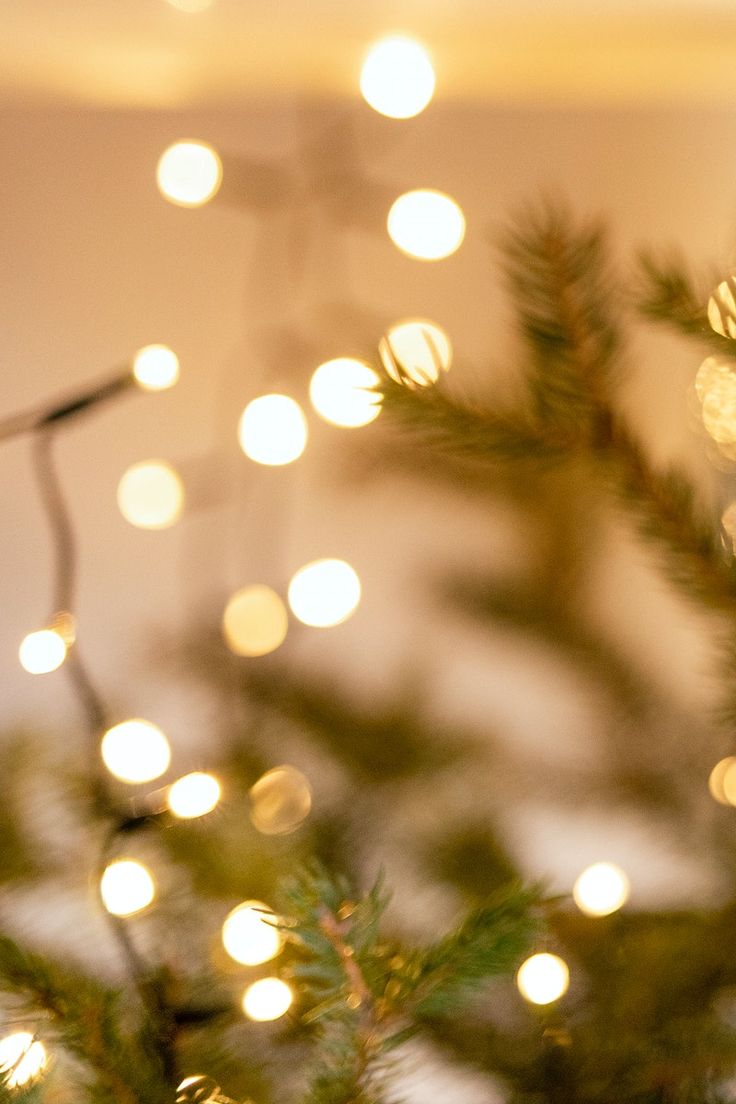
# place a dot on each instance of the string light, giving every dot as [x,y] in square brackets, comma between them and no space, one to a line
[199,1090]
[601,889]
[156,367]
[189,173]
[722,309]
[135,751]
[280,801]
[255,621]
[324,593]
[426,224]
[543,978]
[151,495]
[267,999]
[42,651]
[273,430]
[126,887]
[193,795]
[22,1058]
[397,78]
[249,934]
[415,352]
[718,776]
[340,392]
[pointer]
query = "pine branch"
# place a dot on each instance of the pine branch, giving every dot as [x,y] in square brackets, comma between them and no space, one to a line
[667,294]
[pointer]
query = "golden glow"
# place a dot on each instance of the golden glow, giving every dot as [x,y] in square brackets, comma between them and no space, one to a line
[722,309]
[189,173]
[22,1057]
[156,367]
[426,224]
[415,352]
[42,651]
[273,430]
[267,999]
[280,801]
[194,795]
[397,78]
[249,935]
[717,778]
[151,495]
[135,751]
[340,392]
[324,593]
[197,1090]
[601,889]
[714,371]
[255,621]
[126,887]
[543,978]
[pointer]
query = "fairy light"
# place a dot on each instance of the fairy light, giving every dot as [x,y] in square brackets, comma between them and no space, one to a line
[324,593]
[255,621]
[126,887]
[189,173]
[601,889]
[280,800]
[415,352]
[42,651]
[543,978]
[717,777]
[22,1058]
[135,751]
[155,367]
[151,495]
[193,795]
[200,1089]
[273,430]
[426,224]
[397,78]
[340,392]
[267,999]
[249,934]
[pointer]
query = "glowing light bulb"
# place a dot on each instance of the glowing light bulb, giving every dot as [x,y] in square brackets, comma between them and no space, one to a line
[722,309]
[712,373]
[415,352]
[156,367]
[280,801]
[135,751]
[42,651]
[267,999]
[717,777]
[340,392]
[249,935]
[189,173]
[126,887]
[273,430]
[324,593]
[194,795]
[198,1090]
[22,1058]
[151,495]
[397,78]
[543,978]
[426,224]
[601,889]
[255,621]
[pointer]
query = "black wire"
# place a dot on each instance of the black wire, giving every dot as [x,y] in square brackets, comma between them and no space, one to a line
[37,418]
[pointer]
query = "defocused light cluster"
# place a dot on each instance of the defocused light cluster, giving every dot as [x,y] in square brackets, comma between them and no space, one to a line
[22,1059]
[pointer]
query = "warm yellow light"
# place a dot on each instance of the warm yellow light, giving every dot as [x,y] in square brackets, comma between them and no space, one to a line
[717,777]
[151,495]
[249,934]
[273,430]
[189,173]
[255,621]
[340,391]
[267,999]
[426,224]
[397,78]
[126,887]
[324,593]
[194,795]
[543,978]
[714,371]
[415,352]
[197,1090]
[42,651]
[135,751]
[601,889]
[722,308]
[280,800]
[22,1057]
[156,367]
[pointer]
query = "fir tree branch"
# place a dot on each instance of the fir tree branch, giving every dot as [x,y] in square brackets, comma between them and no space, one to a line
[666,293]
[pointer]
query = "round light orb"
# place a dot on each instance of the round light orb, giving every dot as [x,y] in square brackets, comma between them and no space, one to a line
[280,800]
[126,887]
[714,371]
[255,621]
[249,934]
[397,78]
[601,889]
[194,795]
[717,777]
[197,1090]
[151,495]
[340,392]
[267,999]
[135,751]
[543,978]
[415,352]
[156,367]
[42,651]
[22,1058]
[189,173]
[273,430]
[719,411]
[722,308]
[324,593]
[426,224]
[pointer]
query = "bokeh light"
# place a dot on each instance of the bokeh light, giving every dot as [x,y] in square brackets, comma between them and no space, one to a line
[415,352]
[135,751]
[340,392]
[189,173]
[273,430]
[22,1058]
[601,889]
[267,999]
[280,800]
[249,934]
[42,651]
[193,795]
[397,78]
[255,621]
[126,887]
[197,1090]
[717,778]
[324,593]
[543,978]
[722,308]
[156,367]
[151,495]
[426,224]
